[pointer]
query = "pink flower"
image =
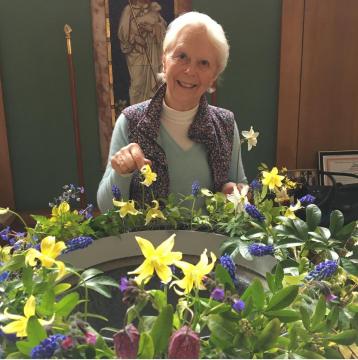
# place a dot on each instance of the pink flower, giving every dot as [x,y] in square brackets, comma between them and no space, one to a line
[90,338]
[184,344]
[67,343]
[126,342]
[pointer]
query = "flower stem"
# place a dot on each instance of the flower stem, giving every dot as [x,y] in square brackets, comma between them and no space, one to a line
[192,214]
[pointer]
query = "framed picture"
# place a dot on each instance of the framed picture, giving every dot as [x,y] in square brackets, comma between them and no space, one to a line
[339,161]
[127,41]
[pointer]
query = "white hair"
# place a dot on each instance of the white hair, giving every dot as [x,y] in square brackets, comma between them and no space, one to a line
[214,31]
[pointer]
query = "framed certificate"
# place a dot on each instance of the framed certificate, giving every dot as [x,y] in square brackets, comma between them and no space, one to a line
[339,161]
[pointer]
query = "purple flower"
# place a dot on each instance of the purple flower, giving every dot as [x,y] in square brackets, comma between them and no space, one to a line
[195,188]
[256,185]
[218,294]
[184,344]
[87,212]
[323,270]
[80,242]
[116,192]
[331,297]
[307,199]
[254,213]
[229,265]
[123,285]
[257,249]
[4,276]
[238,305]
[47,347]
[126,342]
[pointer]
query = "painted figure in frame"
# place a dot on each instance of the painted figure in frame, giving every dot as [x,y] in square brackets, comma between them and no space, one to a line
[141,32]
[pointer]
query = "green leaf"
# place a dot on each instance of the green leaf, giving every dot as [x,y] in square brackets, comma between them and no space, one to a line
[60,288]
[46,303]
[90,273]
[268,335]
[271,281]
[146,346]
[102,281]
[67,304]
[159,299]
[24,347]
[256,292]
[283,298]
[350,266]
[223,277]
[347,337]
[305,318]
[162,329]
[302,228]
[27,279]
[222,331]
[134,311]
[285,315]
[319,313]
[336,222]
[279,275]
[346,232]
[35,332]
[101,289]
[308,354]
[313,216]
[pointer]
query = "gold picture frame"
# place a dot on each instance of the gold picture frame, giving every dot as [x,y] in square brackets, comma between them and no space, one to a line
[105,18]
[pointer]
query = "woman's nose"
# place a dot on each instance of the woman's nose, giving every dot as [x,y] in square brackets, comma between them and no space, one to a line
[189,69]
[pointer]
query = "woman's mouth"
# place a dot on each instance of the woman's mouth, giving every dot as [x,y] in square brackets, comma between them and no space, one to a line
[186,85]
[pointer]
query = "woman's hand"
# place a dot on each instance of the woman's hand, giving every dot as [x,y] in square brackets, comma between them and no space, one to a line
[228,188]
[128,159]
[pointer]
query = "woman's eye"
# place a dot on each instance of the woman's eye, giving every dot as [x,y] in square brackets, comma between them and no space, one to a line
[204,63]
[182,56]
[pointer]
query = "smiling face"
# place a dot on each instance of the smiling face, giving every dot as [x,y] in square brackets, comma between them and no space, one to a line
[190,67]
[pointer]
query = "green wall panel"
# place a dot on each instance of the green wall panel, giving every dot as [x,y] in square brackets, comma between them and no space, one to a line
[37,100]
[249,85]
[37,97]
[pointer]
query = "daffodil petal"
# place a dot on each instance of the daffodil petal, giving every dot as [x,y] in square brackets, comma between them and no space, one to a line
[171,258]
[164,273]
[58,248]
[61,269]
[183,265]
[47,244]
[12,316]
[17,327]
[31,255]
[166,246]
[145,246]
[29,308]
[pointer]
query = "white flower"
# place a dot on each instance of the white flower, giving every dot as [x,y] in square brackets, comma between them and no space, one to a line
[239,198]
[251,137]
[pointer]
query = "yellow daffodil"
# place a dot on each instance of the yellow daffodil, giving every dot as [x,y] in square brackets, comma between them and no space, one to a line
[5,253]
[156,259]
[127,207]
[251,137]
[50,250]
[154,213]
[20,324]
[149,176]
[290,212]
[272,179]
[290,184]
[194,274]
[3,211]
[239,198]
[58,211]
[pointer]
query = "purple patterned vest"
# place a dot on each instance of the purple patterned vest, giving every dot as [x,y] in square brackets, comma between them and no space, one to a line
[212,126]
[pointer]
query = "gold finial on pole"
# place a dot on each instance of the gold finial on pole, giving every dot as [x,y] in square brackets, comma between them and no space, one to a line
[67,29]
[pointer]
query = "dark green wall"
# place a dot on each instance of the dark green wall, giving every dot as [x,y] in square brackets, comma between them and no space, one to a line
[37,99]
[249,85]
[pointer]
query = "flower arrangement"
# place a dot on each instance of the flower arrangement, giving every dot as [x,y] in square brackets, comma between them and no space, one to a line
[306,308]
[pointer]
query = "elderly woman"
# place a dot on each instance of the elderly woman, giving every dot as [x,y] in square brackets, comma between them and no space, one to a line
[182,137]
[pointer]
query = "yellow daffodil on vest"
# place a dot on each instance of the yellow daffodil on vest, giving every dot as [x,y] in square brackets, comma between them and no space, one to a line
[154,213]
[126,207]
[156,259]
[194,274]
[290,212]
[272,179]
[251,137]
[20,324]
[50,250]
[149,176]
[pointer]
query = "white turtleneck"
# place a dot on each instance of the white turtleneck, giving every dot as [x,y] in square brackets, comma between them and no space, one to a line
[177,124]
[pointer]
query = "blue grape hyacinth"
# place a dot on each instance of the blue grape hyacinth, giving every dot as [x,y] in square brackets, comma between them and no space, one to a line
[80,242]
[228,264]
[47,347]
[323,270]
[258,249]
[116,192]
[254,213]
[195,188]
[307,199]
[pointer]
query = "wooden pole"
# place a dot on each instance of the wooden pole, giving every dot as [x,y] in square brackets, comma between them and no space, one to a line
[75,118]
